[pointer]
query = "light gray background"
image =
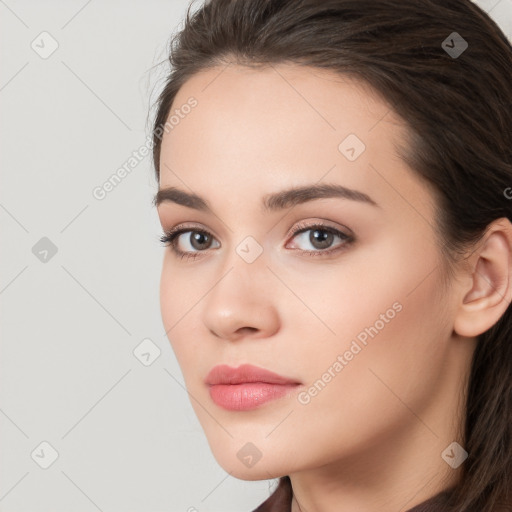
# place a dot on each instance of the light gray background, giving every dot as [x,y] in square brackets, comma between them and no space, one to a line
[126,434]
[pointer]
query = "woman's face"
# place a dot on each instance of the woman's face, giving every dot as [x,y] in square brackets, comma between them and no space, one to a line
[351,311]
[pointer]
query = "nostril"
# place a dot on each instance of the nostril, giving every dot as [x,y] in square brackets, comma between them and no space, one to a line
[247,329]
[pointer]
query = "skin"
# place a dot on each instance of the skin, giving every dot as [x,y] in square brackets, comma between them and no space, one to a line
[372,438]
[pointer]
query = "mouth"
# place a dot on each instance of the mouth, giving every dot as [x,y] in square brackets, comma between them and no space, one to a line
[246,387]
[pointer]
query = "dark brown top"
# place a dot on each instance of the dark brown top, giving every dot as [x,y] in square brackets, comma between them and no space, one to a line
[281,501]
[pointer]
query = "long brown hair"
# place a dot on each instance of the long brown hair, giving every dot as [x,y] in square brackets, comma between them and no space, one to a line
[458,107]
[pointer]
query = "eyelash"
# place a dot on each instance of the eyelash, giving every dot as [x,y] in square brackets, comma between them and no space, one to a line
[169,239]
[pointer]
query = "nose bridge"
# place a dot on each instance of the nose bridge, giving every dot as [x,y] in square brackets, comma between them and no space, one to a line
[246,256]
[240,297]
[244,272]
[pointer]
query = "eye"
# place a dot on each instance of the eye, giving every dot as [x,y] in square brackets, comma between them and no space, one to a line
[320,237]
[197,240]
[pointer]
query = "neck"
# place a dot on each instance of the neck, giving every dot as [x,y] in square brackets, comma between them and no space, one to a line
[390,473]
[395,482]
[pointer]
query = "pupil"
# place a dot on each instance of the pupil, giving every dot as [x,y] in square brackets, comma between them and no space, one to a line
[324,240]
[199,238]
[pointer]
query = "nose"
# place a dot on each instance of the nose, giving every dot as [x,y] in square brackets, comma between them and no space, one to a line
[242,303]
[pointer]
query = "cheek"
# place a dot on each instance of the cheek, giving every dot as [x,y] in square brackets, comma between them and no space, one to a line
[392,345]
[180,292]
[181,289]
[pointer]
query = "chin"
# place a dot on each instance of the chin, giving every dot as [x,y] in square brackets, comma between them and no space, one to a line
[251,474]
[246,462]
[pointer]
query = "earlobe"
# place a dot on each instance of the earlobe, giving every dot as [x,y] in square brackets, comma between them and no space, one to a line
[490,290]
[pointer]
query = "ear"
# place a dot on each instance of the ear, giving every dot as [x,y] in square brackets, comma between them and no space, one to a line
[487,291]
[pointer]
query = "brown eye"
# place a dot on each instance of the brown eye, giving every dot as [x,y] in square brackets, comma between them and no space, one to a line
[318,239]
[190,243]
[197,241]
[321,238]
[200,240]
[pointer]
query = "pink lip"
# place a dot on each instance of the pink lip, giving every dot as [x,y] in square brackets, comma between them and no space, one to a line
[223,374]
[246,387]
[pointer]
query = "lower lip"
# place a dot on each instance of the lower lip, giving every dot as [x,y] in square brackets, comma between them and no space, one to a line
[244,397]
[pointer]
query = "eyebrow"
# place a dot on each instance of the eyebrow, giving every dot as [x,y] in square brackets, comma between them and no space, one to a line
[270,202]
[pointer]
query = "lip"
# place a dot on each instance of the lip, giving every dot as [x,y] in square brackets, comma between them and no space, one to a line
[246,373]
[246,387]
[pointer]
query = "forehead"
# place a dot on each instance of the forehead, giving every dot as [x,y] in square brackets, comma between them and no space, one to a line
[295,98]
[278,107]
[261,129]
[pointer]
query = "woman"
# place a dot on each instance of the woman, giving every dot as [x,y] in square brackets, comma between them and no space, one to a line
[334,189]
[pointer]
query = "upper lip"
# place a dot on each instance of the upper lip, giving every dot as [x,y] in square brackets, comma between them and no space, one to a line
[223,374]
